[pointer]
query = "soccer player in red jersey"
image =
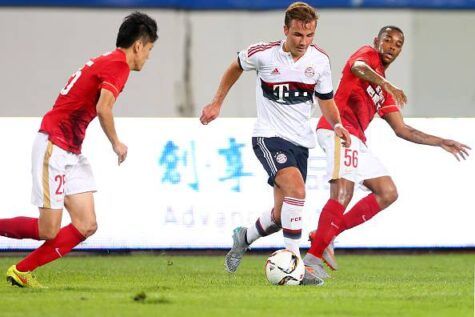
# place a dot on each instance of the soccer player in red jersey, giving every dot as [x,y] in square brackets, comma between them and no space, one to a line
[363,92]
[62,176]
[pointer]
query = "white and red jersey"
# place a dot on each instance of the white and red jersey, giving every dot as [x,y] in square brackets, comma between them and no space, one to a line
[75,106]
[285,90]
[359,100]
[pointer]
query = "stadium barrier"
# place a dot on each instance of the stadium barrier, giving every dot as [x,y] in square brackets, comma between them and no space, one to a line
[186,186]
[245,4]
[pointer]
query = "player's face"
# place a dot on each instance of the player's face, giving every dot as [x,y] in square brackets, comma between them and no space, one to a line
[389,45]
[142,52]
[299,36]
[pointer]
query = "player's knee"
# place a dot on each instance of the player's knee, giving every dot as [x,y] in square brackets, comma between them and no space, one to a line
[389,196]
[48,233]
[90,229]
[87,229]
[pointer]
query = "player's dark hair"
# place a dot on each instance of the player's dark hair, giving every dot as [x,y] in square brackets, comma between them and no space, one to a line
[392,27]
[136,26]
[300,11]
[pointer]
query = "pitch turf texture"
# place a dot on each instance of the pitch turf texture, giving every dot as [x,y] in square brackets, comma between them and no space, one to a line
[165,285]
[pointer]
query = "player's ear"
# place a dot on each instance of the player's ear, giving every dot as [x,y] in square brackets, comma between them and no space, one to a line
[376,41]
[286,30]
[137,46]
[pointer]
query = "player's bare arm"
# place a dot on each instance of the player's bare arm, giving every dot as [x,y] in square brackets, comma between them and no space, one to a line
[231,75]
[104,113]
[408,133]
[362,70]
[331,113]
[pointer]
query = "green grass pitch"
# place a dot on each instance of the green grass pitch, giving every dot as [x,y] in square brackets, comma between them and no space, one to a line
[165,285]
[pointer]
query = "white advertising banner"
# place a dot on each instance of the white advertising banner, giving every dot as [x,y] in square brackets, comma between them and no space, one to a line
[185,185]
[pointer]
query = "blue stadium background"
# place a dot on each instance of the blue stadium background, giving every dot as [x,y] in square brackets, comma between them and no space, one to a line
[247,4]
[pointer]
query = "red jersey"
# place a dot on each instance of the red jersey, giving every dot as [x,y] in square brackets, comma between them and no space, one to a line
[75,106]
[359,100]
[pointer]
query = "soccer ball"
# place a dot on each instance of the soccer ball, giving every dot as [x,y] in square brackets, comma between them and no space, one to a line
[283,267]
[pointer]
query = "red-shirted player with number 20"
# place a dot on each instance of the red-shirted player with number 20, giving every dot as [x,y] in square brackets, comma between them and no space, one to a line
[62,176]
[363,92]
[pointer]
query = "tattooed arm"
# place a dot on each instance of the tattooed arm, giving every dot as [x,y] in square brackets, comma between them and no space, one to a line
[408,133]
[363,71]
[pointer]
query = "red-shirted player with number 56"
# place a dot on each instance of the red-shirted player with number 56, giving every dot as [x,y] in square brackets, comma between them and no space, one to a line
[363,92]
[62,176]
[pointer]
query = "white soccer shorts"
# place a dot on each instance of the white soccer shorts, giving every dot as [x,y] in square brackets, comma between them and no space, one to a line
[355,163]
[57,173]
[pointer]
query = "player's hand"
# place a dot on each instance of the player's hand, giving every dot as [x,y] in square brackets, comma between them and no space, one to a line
[343,134]
[397,93]
[459,150]
[121,150]
[210,112]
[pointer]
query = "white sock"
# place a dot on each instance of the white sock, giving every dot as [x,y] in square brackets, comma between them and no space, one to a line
[292,223]
[264,226]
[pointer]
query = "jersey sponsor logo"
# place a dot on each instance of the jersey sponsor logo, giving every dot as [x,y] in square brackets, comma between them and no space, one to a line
[376,95]
[275,71]
[281,158]
[281,91]
[288,93]
[309,72]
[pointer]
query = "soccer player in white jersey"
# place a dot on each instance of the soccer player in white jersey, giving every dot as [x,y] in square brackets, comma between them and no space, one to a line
[291,73]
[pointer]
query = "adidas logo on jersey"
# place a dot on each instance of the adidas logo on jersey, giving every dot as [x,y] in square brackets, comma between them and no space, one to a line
[275,71]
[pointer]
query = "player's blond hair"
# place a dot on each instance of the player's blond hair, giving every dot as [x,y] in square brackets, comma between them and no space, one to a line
[300,11]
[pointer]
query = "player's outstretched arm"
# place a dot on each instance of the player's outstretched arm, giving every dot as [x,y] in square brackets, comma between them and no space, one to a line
[332,115]
[104,113]
[211,110]
[408,133]
[362,70]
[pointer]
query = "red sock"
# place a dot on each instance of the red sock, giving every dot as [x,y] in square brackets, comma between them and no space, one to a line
[19,228]
[331,219]
[363,211]
[67,238]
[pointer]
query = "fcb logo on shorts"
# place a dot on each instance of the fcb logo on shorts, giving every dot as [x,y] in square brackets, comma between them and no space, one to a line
[281,158]
[309,72]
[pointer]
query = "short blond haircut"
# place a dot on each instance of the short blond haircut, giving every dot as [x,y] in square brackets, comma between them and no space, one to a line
[300,11]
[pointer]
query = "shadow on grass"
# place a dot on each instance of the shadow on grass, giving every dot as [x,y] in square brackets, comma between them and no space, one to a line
[109,289]
[143,298]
